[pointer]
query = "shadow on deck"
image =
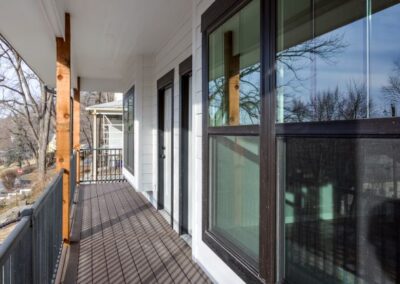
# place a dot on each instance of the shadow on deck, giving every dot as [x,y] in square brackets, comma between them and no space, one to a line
[118,237]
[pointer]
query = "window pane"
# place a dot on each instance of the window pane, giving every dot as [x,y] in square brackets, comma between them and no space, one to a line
[129,119]
[337,60]
[385,58]
[234,186]
[234,69]
[341,210]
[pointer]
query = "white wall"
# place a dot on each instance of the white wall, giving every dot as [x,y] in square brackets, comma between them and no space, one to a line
[184,42]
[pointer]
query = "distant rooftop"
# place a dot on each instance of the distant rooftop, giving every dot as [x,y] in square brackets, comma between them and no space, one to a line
[114,106]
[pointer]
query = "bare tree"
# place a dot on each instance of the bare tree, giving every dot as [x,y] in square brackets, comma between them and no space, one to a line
[355,104]
[330,105]
[28,101]
[392,90]
[325,105]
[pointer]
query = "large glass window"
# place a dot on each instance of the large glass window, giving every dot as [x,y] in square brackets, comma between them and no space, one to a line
[234,94]
[341,210]
[337,60]
[234,173]
[234,69]
[339,190]
[129,119]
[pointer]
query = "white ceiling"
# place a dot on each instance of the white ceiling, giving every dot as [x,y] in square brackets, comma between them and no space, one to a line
[106,36]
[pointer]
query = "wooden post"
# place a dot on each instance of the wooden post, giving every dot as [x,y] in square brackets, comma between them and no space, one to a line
[232,81]
[77,126]
[63,121]
[232,108]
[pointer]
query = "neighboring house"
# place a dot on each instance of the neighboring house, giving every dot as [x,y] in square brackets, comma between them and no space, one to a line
[264,131]
[51,147]
[107,124]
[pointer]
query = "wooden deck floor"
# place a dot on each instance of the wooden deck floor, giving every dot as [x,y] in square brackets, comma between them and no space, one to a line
[118,237]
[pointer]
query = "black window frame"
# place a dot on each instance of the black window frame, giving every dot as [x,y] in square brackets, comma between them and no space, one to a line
[129,135]
[216,15]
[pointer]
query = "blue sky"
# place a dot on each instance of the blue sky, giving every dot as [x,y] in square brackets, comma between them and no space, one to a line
[351,63]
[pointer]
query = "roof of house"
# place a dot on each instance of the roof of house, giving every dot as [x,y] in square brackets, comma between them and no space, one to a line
[114,106]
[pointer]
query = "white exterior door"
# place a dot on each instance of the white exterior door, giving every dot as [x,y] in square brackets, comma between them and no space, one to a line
[168,149]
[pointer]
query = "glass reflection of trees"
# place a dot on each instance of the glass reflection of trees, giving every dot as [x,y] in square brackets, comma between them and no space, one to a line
[340,75]
[249,103]
[342,210]
[324,105]
[392,89]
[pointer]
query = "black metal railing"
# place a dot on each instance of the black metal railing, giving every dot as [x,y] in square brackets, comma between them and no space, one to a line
[31,253]
[100,165]
[73,176]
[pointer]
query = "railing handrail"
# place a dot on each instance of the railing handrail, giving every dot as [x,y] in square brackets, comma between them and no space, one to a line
[31,253]
[41,201]
[94,149]
[98,165]
[11,241]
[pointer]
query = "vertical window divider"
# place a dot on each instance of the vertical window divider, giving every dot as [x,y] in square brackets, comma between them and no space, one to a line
[268,189]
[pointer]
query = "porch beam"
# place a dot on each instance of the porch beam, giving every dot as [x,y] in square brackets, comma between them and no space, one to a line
[77,125]
[63,121]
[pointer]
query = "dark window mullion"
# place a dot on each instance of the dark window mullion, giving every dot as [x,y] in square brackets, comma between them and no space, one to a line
[250,130]
[380,126]
[268,242]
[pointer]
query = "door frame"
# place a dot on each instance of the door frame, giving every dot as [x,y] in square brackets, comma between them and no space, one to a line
[185,71]
[165,82]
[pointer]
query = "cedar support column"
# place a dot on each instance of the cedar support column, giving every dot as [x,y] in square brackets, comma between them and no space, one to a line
[77,126]
[232,81]
[63,124]
[232,109]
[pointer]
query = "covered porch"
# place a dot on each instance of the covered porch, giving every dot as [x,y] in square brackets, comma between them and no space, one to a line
[109,230]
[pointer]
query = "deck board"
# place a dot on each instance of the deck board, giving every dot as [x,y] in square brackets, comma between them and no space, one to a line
[120,238]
